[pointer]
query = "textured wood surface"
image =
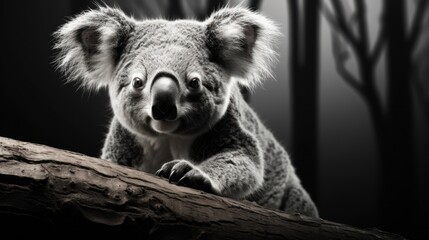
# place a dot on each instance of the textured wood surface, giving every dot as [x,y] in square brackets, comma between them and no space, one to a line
[50,189]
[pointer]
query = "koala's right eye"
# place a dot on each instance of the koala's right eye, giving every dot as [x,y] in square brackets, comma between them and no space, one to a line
[137,83]
[194,83]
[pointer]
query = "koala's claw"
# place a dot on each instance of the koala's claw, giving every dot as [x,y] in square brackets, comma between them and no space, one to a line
[194,179]
[182,182]
[179,170]
[159,172]
[166,169]
[183,173]
[171,177]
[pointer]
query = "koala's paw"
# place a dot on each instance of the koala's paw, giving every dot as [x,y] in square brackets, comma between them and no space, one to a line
[184,173]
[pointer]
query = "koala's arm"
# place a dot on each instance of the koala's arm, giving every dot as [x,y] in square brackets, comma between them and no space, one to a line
[226,161]
[236,172]
[121,146]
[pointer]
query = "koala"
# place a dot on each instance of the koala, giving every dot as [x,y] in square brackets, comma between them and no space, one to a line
[174,89]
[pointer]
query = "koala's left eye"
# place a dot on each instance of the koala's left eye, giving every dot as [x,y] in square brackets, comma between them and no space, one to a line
[137,82]
[194,83]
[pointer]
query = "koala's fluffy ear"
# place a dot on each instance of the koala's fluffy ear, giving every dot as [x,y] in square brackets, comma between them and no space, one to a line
[90,45]
[243,42]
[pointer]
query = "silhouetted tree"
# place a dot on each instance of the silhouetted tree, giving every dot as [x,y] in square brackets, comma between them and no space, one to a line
[392,125]
[304,74]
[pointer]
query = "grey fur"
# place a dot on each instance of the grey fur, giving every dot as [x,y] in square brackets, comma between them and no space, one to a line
[217,143]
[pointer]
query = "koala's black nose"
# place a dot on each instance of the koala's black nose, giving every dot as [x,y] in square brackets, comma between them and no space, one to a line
[164,93]
[164,112]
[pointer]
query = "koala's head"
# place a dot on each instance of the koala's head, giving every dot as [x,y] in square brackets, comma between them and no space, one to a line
[167,77]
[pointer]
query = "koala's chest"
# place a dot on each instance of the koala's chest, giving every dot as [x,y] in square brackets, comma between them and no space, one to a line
[160,151]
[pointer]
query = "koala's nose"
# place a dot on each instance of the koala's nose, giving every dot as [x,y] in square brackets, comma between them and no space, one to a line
[164,94]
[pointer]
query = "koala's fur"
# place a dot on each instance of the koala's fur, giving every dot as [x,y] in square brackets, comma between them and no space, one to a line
[216,143]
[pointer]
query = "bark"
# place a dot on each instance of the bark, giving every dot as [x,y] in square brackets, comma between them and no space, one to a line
[54,189]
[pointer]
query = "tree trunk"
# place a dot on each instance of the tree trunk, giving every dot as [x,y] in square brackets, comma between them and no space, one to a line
[254,5]
[304,62]
[397,164]
[175,10]
[51,189]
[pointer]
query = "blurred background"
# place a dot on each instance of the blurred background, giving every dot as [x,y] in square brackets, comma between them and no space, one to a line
[349,99]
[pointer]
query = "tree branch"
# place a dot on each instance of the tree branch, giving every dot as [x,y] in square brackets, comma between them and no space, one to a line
[58,189]
[340,52]
[416,26]
[341,56]
[379,43]
[330,17]
[362,26]
[343,26]
[363,54]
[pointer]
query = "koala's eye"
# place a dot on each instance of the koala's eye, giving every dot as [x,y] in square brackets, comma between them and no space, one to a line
[137,82]
[194,83]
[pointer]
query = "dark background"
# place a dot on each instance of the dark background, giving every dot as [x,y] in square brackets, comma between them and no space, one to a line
[349,104]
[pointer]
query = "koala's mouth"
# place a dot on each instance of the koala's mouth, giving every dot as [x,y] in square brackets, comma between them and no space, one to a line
[163,126]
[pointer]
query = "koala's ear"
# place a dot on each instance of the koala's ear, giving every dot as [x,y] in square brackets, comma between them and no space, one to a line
[90,45]
[243,42]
